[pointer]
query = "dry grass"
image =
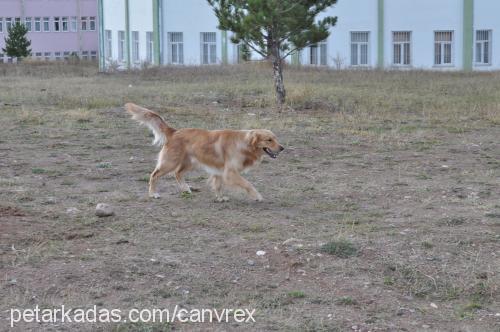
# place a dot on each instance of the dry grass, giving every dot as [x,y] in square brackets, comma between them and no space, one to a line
[402,167]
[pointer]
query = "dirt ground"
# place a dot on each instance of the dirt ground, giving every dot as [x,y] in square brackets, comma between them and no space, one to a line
[382,214]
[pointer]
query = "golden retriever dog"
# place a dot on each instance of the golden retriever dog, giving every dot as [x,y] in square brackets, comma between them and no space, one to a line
[223,154]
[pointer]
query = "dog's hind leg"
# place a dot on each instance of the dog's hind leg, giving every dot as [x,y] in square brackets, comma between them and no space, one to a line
[233,178]
[216,184]
[164,166]
[179,173]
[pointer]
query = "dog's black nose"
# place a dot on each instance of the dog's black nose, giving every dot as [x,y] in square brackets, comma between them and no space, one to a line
[282,148]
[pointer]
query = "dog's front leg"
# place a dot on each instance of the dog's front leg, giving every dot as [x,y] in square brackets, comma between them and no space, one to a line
[216,184]
[233,178]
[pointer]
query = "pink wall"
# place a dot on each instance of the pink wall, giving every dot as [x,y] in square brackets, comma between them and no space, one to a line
[53,41]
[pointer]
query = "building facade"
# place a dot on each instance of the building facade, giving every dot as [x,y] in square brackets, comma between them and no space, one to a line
[57,28]
[390,34]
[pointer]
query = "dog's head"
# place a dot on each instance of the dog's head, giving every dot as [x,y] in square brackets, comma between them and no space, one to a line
[266,141]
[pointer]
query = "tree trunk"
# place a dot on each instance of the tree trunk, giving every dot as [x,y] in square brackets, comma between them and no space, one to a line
[278,78]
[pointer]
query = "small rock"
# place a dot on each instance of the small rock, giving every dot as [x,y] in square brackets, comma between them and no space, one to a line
[161,276]
[13,281]
[251,262]
[103,210]
[72,210]
[425,326]
[497,314]
[174,214]
[354,327]
[260,253]
[434,305]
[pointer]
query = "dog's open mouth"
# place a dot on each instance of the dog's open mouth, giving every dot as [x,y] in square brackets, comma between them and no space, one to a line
[271,153]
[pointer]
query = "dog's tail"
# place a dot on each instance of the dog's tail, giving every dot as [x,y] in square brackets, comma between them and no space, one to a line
[153,121]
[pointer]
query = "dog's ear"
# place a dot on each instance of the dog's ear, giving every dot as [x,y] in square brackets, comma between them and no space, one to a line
[254,138]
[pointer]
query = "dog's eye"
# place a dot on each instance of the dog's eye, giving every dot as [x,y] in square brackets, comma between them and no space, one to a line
[270,140]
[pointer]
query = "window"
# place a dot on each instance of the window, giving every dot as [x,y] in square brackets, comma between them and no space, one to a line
[318,54]
[74,24]
[47,55]
[149,46]
[359,48]
[443,48]
[483,47]
[135,46]
[57,56]
[92,23]
[108,44]
[66,55]
[85,55]
[83,22]
[65,24]
[176,48]
[27,23]
[208,48]
[57,24]
[93,55]
[1,24]
[38,55]
[18,20]
[38,24]
[46,24]
[1,58]
[121,46]
[8,23]
[401,43]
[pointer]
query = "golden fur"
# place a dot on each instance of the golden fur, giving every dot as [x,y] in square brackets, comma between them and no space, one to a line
[223,154]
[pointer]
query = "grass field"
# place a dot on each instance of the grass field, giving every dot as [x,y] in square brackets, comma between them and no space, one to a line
[382,214]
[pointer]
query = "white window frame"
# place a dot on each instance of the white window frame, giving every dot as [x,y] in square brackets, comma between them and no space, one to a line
[93,55]
[8,24]
[404,53]
[442,49]
[318,54]
[211,48]
[84,24]
[57,24]
[121,46]
[175,48]
[64,24]
[358,45]
[482,44]
[136,47]
[46,24]
[85,55]
[47,56]
[28,23]
[108,44]
[38,24]
[73,24]
[58,56]
[92,23]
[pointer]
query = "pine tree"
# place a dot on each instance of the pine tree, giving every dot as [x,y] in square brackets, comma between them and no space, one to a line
[16,43]
[275,28]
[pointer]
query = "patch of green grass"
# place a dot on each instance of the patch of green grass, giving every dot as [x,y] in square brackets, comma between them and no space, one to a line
[423,176]
[145,178]
[104,165]
[346,300]
[186,195]
[427,245]
[342,248]
[38,170]
[296,294]
[388,281]
[467,311]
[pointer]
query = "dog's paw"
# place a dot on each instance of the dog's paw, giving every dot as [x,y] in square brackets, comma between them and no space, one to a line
[155,195]
[221,199]
[259,198]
